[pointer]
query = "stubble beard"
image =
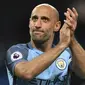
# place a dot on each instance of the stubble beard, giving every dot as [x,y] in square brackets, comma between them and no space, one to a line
[40,39]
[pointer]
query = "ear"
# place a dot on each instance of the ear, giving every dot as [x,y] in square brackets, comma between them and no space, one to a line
[57,26]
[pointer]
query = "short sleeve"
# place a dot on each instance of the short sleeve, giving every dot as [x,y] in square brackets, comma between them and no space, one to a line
[70,58]
[16,54]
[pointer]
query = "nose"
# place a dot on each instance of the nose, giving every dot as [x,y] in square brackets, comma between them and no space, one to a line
[38,23]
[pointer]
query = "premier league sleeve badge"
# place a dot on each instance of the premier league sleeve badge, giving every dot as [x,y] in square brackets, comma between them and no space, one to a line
[16,56]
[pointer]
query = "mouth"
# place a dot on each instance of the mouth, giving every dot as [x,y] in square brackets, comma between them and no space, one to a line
[38,32]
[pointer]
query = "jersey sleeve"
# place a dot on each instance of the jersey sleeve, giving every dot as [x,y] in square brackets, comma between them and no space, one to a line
[70,58]
[16,54]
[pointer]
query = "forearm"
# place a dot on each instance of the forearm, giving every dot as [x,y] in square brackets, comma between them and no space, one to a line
[78,59]
[30,69]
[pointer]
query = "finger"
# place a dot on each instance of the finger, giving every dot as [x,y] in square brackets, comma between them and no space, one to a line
[68,17]
[64,27]
[71,13]
[67,14]
[75,12]
[69,25]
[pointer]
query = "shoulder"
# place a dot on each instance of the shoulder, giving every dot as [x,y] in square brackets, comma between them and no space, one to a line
[17,51]
[18,46]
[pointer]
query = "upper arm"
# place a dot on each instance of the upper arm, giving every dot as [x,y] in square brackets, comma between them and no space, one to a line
[15,55]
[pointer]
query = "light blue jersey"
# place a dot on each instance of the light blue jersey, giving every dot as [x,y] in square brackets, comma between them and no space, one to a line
[56,74]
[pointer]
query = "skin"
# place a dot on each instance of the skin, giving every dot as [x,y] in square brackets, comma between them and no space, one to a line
[43,23]
[78,52]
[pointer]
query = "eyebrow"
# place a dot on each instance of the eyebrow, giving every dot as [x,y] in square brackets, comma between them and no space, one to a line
[34,17]
[45,17]
[42,17]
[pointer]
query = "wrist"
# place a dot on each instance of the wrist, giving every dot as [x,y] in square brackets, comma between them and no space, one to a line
[63,45]
[73,41]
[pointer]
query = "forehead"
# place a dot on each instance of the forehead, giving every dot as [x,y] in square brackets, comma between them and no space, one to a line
[43,11]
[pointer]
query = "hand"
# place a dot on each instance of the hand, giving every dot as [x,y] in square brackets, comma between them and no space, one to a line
[71,19]
[65,35]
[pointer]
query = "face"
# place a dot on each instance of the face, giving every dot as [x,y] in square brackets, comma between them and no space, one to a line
[42,24]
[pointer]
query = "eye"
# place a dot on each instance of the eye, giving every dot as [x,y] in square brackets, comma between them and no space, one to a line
[45,19]
[34,18]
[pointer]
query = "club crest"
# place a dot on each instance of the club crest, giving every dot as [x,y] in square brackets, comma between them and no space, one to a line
[16,56]
[61,64]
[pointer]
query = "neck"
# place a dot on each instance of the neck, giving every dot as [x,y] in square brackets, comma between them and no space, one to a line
[45,46]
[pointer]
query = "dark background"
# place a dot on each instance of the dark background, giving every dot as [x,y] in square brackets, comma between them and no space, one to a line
[14,19]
